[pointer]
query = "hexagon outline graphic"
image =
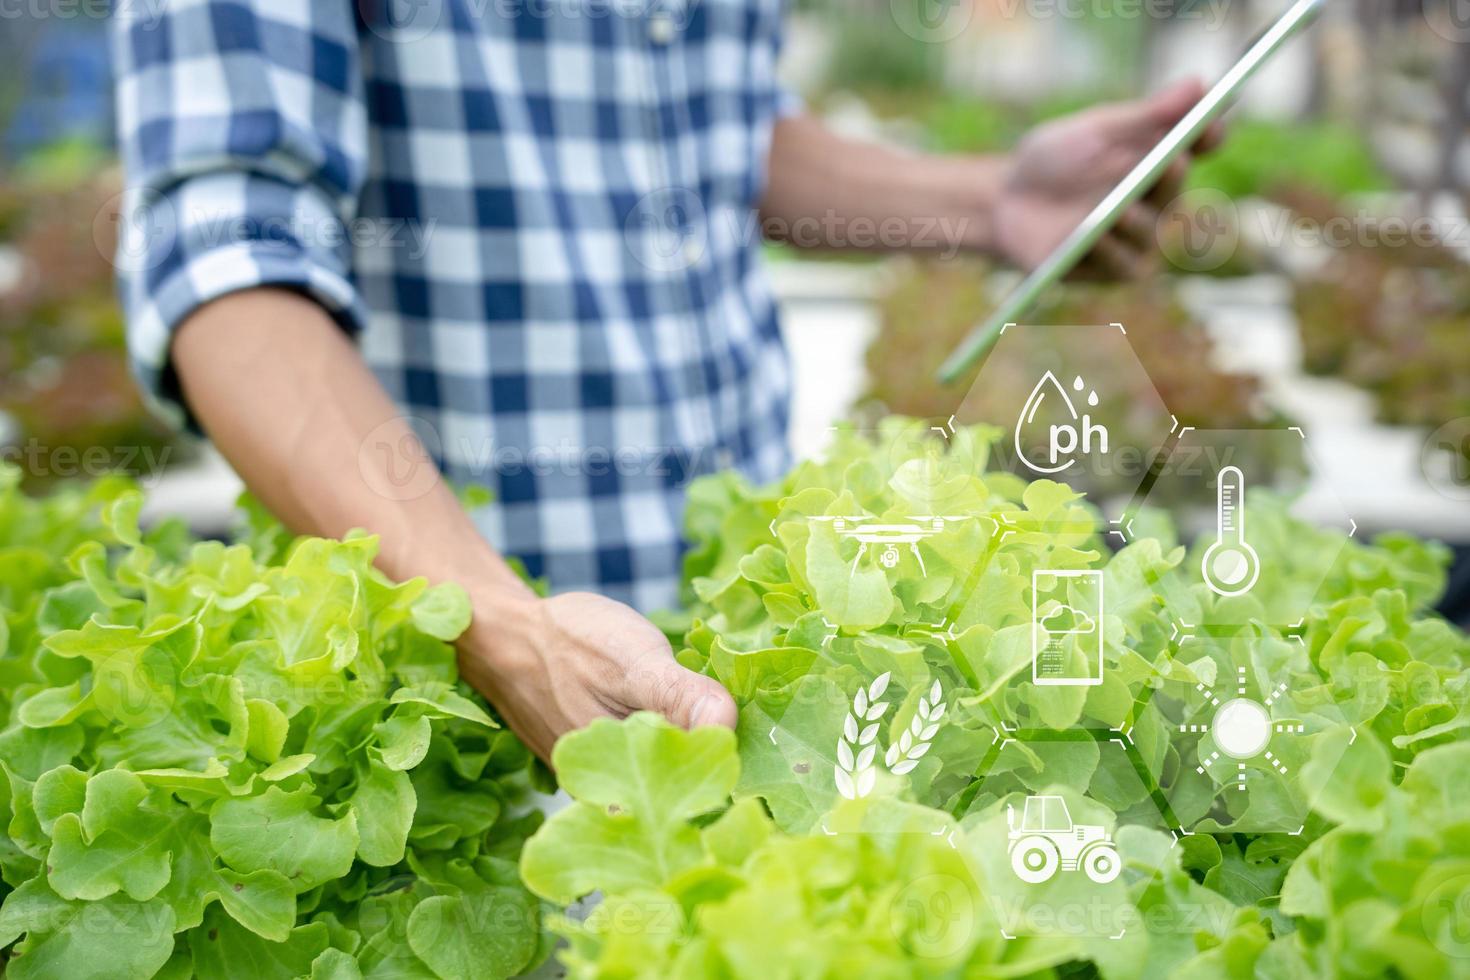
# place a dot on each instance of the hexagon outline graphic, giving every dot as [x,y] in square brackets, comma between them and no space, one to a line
[1106,457]
[1337,731]
[1237,604]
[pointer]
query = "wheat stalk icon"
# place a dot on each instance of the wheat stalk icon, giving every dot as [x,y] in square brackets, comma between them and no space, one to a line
[905,754]
[856,771]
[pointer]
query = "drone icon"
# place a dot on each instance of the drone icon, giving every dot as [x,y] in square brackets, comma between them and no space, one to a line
[889,537]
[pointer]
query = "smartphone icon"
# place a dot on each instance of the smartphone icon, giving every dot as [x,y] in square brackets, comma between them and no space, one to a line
[1067,627]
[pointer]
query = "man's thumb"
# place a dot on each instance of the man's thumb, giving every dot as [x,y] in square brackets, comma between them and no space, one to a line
[684,697]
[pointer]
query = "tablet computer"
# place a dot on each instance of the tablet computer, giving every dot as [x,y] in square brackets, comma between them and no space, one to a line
[1128,192]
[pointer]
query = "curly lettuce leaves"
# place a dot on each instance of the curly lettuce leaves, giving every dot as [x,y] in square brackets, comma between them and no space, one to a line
[216,761]
[795,617]
[696,887]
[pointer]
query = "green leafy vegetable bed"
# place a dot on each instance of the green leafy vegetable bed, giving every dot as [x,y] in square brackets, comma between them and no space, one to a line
[257,760]
[243,761]
[1355,863]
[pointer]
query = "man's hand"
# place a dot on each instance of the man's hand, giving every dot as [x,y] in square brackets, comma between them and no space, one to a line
[1019,205]
[1062,169]
[552,665]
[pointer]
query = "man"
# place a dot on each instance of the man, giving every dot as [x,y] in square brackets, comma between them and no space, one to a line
[534,222]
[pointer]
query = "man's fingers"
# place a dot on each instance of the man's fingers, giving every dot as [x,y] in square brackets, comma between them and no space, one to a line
[1139,226]
[1145,120]
[680,695]
[1170,185]
[1168,106]
[1210,139]
[1118,259]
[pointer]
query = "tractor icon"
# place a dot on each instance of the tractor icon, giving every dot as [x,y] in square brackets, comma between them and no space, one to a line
[1047,839]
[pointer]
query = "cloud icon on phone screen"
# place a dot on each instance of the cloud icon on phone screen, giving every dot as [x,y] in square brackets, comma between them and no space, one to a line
[1082,622]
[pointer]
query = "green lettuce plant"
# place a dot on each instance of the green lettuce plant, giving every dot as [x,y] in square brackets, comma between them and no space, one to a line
[730,856]
[227,762]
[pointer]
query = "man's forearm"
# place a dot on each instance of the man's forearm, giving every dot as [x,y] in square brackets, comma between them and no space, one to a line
[828,191]
[292,406]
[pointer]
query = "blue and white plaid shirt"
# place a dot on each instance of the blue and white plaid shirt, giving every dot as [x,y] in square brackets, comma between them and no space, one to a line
[536,215]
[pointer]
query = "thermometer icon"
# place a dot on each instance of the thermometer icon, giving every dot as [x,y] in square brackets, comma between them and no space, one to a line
[1230,564]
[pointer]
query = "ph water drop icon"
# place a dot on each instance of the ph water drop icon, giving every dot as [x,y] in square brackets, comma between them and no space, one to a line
[1047,388]
[1073,435]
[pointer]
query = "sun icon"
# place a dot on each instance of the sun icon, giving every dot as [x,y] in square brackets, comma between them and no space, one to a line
[1242,728]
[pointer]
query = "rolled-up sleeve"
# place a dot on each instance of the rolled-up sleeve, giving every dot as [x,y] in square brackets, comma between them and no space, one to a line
[243,134]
